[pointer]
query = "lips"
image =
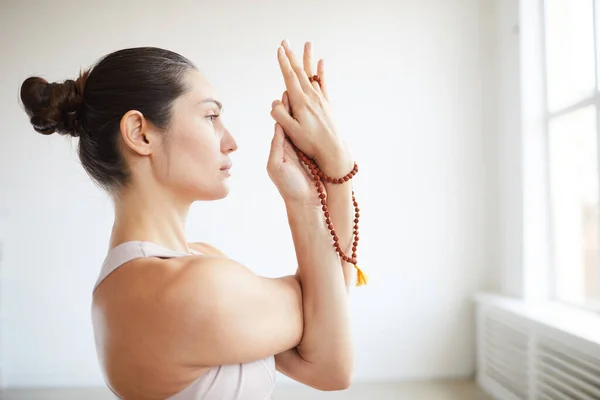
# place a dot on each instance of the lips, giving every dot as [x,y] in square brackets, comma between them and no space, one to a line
[226,167]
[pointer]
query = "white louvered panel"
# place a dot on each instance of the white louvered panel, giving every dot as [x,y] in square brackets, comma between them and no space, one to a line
[523,355]
[505,352]
[501,322]
[550,392]
[543,396]
[587,371]
[571,354]
[557,382]
[585,385]
[509,341]
[566,370]
[513,362]
[515,384]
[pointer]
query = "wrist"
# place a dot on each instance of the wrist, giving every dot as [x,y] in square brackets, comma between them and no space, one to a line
[305,214]
[336,163]
[304,208]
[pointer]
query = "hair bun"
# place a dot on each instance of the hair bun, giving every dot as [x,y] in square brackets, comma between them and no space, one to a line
[54,107]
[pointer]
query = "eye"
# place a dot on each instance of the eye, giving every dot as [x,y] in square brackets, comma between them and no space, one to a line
[213,118]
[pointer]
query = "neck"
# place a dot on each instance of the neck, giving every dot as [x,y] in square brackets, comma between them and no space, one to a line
[150,214]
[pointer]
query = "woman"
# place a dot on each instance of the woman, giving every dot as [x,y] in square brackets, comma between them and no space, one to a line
[180,320]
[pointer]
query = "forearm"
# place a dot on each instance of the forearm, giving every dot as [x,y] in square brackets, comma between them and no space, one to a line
[326,341]
[341,209]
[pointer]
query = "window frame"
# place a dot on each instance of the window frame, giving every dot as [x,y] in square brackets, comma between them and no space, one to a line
[548,117]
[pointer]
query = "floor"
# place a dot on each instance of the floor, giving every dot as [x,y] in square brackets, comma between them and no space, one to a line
[442,390]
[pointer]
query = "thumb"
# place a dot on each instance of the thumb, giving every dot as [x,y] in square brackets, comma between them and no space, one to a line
[280,113]
[286,102]
[276,154]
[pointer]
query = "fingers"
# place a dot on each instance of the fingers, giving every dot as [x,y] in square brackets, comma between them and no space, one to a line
[281,115]
[308,65]
[321,73]
[289,76]
[308,68]
[285,101]
[297,68]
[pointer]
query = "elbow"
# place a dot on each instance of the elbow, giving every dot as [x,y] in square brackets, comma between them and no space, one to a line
[335,381]
[341,383]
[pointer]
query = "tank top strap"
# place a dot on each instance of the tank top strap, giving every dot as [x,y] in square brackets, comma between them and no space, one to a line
[132,250]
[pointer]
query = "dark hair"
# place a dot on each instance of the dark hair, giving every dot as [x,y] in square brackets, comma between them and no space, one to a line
[146,79]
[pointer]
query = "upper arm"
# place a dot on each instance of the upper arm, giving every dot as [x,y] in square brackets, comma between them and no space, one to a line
[226,314]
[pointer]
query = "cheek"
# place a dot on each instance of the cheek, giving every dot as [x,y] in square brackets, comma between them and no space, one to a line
[197,149]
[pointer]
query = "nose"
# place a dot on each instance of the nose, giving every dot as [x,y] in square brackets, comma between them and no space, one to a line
[228,144]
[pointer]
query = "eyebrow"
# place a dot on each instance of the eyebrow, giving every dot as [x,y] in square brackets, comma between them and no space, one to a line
[218,103]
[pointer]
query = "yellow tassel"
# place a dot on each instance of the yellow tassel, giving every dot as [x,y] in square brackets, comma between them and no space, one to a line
[361,277]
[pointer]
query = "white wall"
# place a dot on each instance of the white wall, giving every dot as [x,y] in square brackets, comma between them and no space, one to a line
[406,80]
[503,111]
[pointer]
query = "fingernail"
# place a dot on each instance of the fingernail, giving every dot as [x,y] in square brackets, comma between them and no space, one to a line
[275,103]
[286,43]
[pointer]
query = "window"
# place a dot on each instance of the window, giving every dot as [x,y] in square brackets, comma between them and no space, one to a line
[572,72]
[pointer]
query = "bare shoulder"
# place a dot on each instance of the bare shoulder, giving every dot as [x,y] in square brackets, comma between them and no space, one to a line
[206,248]
[227,314]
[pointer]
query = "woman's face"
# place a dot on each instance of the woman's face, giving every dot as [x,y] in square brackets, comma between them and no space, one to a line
[194,160]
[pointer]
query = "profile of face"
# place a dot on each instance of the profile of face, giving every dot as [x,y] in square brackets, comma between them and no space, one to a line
[191,158]
[146,118]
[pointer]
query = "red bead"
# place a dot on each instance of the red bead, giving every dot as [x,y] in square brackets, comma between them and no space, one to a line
[317,175]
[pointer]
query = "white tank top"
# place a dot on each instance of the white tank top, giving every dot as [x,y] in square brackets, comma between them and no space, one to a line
[249,381]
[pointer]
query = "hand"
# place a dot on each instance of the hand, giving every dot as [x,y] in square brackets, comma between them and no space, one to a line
[310,124]
[288,173]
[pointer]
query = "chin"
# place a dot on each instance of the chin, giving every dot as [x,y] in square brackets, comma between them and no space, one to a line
[221,195]
[216,193]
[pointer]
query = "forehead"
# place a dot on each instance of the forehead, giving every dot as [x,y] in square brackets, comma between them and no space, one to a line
[199,87]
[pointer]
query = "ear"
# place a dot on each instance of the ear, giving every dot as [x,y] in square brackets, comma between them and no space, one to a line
[137,133]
